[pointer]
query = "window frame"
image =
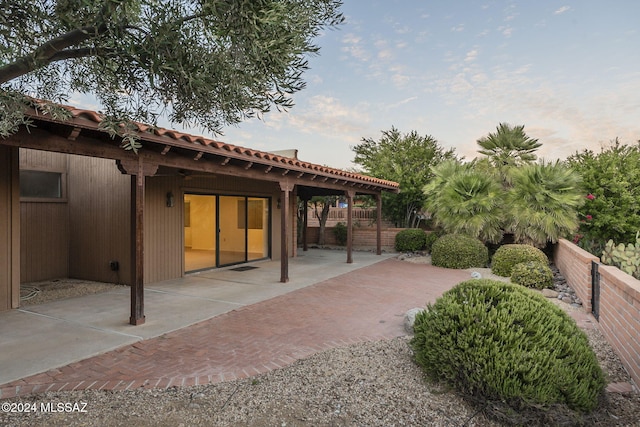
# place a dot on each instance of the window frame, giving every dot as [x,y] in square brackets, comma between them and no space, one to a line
[63,186]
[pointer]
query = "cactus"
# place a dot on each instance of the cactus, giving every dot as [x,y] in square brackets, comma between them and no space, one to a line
[626,258]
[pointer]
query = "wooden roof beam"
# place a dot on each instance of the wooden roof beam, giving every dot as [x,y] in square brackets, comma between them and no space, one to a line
[248,166]
[225,161]
[74,133]
[199,155]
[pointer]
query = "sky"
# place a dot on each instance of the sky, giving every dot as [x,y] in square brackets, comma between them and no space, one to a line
[568,70]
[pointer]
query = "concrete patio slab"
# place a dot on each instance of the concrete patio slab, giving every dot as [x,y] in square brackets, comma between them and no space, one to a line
[50,335]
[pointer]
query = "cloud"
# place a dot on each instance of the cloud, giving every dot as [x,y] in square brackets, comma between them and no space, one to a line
[327,115]
[472,55]
[506,31]
[353,47]
[458,28]
[562,10]
[399,103]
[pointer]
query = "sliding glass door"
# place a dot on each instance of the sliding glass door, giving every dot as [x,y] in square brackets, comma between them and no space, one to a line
[233,230]
[224,230]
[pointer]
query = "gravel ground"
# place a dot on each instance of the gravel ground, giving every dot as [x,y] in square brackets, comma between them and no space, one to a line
[49,290]
[369,384]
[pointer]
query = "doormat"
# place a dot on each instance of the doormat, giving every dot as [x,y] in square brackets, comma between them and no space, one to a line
[243,268]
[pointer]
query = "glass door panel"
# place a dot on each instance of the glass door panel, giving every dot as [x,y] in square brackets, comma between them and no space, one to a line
[257,228]
[232,229]
[199,232]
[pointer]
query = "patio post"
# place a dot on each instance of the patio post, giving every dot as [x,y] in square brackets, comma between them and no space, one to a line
[350,195]
[138,169]
[286,187]
[379,224]
[305,223]
[137,251]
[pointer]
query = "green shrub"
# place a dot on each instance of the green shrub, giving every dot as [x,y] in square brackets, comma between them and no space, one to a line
[508,349]
[340,231]
[509,255]
[410,240]
[532,274]
[430,239]
[459,251]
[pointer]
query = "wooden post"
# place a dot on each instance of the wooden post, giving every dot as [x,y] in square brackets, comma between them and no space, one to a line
[350,195]
[138,169]
[137,249]
[305,224]
[286,188]
[379,224]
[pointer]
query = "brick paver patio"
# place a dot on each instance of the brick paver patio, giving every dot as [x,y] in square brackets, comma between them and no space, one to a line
[366,304]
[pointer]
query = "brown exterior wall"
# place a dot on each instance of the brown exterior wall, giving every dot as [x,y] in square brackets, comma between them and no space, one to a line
[44,233]
[164,235]
[99,220]
[92,227]
[619,311]
[9,229]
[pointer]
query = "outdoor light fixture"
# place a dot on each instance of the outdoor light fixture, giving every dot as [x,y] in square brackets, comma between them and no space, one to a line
[170,200]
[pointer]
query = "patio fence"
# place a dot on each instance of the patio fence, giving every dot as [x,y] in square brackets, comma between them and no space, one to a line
[617,302]
[364,217]
[363,237]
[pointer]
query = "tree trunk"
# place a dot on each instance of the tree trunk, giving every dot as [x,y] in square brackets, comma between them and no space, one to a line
[322,219]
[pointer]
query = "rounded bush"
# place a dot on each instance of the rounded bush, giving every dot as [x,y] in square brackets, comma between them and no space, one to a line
[532,274]
[507,348]
[430,239]
[509,255]
[410,240]
[459,251]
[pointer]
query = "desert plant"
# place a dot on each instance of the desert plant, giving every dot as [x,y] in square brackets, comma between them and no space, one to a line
[459,251]
[467,201]
[542,204]
[430,240]
[410,240]
[532,274]
[508,349]
[507,256]
[340,231]
[611,181]
[626,258]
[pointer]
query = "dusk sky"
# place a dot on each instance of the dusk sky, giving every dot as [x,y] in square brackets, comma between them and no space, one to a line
[567,70]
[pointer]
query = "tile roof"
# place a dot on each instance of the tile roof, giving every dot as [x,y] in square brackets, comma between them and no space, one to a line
[194,142]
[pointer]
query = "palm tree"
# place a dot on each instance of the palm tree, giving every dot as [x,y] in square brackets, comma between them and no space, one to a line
[509,146]
[542,204]
[466,201]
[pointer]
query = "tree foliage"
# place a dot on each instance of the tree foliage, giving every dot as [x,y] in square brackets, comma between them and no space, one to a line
[543,203]
[507,148]
[464,200]
[207,62]
[406,159]
[506,193]
[611,181]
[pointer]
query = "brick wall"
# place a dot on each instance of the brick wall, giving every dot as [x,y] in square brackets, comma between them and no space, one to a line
[619,313]
[575,265]
[363,238]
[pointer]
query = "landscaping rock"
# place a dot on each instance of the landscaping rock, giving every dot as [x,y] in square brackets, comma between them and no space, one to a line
[410,318]
[549,293]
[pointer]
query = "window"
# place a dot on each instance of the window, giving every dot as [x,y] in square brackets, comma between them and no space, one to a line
[42,186]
